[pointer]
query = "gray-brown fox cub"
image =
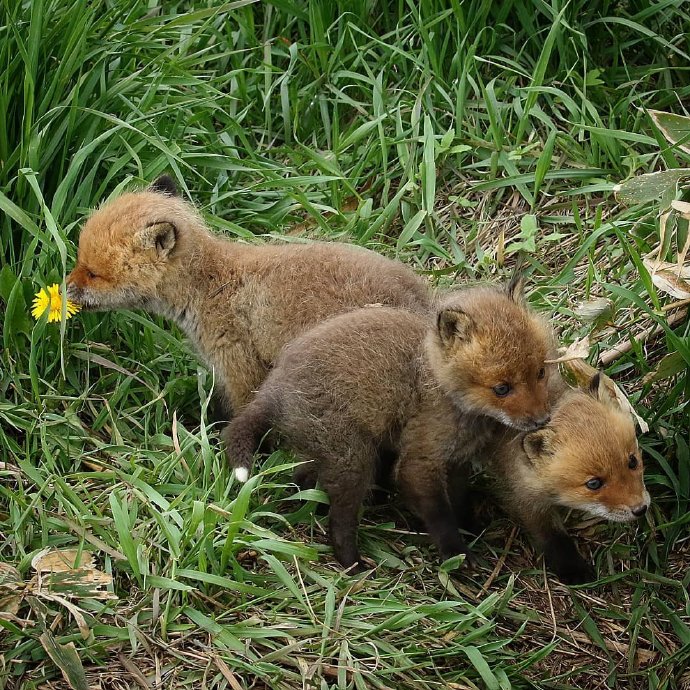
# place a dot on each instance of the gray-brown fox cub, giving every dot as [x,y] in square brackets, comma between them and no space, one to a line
[238,303]
[432,390]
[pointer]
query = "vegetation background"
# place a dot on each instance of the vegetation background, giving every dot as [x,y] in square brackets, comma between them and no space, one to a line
[451,134]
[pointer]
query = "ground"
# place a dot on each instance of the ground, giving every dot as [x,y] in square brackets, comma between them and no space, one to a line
[458,137]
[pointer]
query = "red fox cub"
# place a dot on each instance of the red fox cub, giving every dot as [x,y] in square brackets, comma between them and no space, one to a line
[432,390]
[586,458]
[239,303]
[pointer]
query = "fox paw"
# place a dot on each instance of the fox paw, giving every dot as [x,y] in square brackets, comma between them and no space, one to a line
[574,571]
[563,559]
[456,546]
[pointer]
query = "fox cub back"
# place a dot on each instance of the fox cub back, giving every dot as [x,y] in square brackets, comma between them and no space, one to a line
[239,303]
[587,458]
[432,390]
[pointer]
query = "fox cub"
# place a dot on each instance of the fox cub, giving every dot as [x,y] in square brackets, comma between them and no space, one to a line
[238,303]
[586,458]
[432,390]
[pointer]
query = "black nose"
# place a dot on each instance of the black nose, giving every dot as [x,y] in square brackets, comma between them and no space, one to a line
[539,422]
[639,511]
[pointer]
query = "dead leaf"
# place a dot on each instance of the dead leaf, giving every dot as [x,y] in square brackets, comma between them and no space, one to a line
[75,611]
[227,673]
[669,365]
[175,438]
[657,265]
[576,350]
[668,282]
[135,672]
[66,658]
[669,278]
[50,560]
[643,189]
[683,207]
[9,575]
[85,583]
[11,584]
[644,656]
[594,309]
[683,253]
[69,573]
[676,128]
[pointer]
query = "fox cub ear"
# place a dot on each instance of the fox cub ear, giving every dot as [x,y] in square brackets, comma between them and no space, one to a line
[601,392]
[537,444]
[516,288]
[452,324]
[164,185]
[159,236]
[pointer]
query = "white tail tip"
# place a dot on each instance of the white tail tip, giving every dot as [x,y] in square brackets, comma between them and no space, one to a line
[241,474]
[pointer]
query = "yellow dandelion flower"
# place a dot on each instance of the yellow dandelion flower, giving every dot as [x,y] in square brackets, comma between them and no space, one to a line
[52,300]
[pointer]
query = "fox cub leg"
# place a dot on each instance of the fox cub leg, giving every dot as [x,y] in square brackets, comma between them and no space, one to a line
[466,499]
[560,553]
[305,475]
[347,477]
[421,481]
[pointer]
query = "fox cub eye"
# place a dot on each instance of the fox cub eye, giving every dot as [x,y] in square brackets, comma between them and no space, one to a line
[90,274]
[594,484]
[632,462]
[502,389]
[541,374]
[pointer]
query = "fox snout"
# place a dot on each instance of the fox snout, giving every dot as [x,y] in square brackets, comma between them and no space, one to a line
[79,292]
[627,513]
[630,513]
[532,423]
[539,422]
[641,508]
[74,292]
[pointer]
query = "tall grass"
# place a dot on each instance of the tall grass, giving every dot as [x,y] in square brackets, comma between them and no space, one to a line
[453,135]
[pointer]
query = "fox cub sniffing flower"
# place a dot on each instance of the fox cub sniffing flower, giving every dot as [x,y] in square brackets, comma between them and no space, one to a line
[238,303]
[432,390]
[587,458]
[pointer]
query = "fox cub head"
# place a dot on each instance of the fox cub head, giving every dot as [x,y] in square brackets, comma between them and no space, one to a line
[488,353]
[126,246]
[587,458]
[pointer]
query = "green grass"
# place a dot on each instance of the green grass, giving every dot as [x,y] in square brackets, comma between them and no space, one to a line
[453,135]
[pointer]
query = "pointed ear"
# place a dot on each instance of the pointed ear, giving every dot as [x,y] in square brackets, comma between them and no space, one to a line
[516,288]
[601,392]
[164,185]
[537,444]
[453,324]
[159,236]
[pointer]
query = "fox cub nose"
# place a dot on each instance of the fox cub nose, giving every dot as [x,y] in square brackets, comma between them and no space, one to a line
[639,511]
[539,422]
